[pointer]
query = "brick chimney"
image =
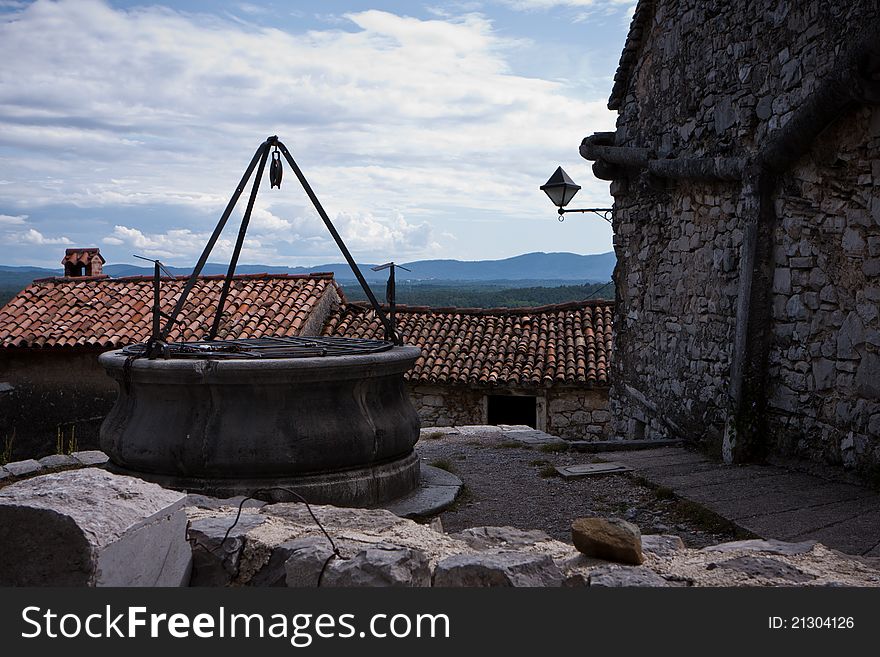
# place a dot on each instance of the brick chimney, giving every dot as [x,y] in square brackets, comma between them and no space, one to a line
[83,262]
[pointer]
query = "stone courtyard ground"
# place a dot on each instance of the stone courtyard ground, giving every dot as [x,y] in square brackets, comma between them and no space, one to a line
[509,483]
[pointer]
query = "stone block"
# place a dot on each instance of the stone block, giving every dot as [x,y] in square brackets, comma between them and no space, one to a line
[616,576]
[850,335]
[383,565]
[760,567]
[215,560]
[23,468]
[802,262]
[380,565]
[853,242]
[89,527]
[868,376]
[59,461]
[871,266]
[91,457]
[770,546]
[516,569]
[823,373]
[484,538]
[782,280]
[612,539]
[662,545]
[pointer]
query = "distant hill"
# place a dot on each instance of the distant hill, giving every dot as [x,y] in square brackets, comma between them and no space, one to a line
[528,270]
[531,267]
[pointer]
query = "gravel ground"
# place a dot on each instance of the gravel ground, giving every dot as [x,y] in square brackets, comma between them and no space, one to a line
[507,483]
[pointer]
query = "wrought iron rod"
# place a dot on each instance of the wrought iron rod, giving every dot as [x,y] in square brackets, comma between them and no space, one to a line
[191,281]
[245,220]
[389,330]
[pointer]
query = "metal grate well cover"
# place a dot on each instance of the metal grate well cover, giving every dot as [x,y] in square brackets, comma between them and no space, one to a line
[266,348]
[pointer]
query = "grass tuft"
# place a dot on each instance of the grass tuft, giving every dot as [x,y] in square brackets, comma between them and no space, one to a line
[443,464]
[548,471]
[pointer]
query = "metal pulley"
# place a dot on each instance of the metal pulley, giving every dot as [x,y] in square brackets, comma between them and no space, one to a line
[275,170]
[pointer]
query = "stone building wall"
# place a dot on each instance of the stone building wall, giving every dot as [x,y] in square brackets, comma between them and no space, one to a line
[448,406]
[52,390]
[578,413]
[719,80]
[569,412]
[825,356]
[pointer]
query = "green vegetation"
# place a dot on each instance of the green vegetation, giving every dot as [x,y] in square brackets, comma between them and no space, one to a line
[555,448]
[443,464]
[548,471]
[6,454]
[65,444]
[483,295]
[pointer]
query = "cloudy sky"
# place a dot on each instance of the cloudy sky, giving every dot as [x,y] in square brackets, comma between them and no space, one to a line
[425,128]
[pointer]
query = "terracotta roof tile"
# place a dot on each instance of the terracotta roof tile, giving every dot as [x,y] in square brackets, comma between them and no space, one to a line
[104,312]
[531,347]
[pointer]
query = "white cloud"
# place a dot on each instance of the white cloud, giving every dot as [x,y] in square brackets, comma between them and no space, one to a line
[392,117]
[33,236]
[12,220]
[535,5]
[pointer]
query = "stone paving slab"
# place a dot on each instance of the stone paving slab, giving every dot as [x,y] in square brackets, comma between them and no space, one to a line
[783,493]
[437,490]
[619,445]
[849,535]
[23,468]
[767,500]
[590,469]
[698,478]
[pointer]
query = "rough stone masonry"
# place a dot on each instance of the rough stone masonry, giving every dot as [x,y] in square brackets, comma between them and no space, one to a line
[745,170]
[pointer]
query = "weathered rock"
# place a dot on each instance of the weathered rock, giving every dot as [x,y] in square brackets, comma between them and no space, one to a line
[769,546]
[215,560]
[482,538]
[662,545]
[614,576]
[23,468]
[89,527]
[307,558]
[501,569]
[766,568]
[91,457]
[58,461]
[612,539]
[380,566]
[214,503]
[4,473]
[375,520]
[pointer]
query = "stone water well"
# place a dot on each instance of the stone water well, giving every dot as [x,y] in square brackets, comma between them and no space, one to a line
[326,417]
[337,428]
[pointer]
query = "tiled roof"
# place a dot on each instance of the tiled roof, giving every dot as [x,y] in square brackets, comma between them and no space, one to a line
[81,256]
[562,344]
[107,312]
[637,28]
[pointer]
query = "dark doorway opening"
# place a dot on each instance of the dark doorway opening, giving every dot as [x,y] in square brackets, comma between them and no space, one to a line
[513,409]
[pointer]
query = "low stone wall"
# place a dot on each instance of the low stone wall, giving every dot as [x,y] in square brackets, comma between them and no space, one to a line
[112,530]
[573,413]
[448,406]
[579,414]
